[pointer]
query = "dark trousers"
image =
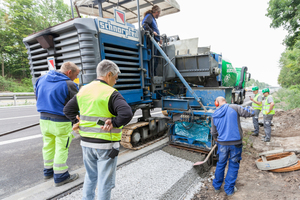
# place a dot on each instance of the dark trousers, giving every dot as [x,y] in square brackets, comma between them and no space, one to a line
[233,153]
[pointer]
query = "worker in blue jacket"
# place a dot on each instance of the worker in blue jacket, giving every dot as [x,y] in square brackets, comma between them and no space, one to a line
[150,24]
[53,91]
[226,130]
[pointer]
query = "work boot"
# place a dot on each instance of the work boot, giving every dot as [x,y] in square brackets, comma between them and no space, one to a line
[71,178]
[218,191]
[48,177]
[235,190]
[255,134]
[266,140]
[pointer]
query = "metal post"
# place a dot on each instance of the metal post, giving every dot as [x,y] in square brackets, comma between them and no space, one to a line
[72,8]
[140,44]
[177,72]
[100,8]
[15,99]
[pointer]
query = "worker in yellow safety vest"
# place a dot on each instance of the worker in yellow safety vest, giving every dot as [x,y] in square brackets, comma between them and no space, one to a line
[257,106]
[268,113]
[103,113]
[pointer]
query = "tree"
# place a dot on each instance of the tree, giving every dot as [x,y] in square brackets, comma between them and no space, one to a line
[290,67]
[20,18]
[286,14]
[5,33]
[50,13]
[254,82]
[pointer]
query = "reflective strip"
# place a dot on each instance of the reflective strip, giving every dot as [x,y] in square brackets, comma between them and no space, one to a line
[93,119]
[60,171]
[48,161]
[98,130]
[100,145]
[60,165]
[48,167]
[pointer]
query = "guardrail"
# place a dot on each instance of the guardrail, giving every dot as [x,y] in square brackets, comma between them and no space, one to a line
[16,96]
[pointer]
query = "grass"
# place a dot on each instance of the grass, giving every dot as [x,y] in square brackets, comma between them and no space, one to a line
[289,96]
[247,143]
[13,85]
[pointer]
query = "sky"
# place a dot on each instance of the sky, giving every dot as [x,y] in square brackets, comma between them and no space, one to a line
[237,29]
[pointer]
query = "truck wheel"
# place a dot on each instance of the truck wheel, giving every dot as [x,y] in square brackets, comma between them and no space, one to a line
[239,101]
[242,101]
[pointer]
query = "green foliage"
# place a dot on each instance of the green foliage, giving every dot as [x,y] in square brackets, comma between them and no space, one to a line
[290,67]
[20,18]
[290,97]
[285,13]
[254,82]
[12,85]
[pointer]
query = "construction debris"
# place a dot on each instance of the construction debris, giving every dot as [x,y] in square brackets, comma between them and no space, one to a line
[276,161]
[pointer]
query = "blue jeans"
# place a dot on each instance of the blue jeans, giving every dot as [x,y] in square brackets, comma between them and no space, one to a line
[235,153]
[99,169]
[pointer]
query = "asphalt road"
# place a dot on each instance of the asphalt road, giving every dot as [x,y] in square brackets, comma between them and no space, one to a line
[21,165]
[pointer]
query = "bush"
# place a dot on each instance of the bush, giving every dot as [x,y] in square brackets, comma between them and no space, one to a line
[12,85]
[291,97]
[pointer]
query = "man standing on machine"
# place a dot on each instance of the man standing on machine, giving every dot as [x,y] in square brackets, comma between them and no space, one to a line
[150,24]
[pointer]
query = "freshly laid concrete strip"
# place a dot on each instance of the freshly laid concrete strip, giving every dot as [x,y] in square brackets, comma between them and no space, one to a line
[47,190]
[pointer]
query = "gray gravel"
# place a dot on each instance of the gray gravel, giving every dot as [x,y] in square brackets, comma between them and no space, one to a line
[147,178]
[187,155]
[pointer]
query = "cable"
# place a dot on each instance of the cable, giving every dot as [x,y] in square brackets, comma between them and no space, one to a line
[192,121]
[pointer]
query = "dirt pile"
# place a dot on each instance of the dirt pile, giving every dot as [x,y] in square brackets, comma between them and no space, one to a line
[286,123]
[255,184]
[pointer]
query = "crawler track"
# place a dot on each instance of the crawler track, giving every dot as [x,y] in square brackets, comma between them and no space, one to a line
[127,132]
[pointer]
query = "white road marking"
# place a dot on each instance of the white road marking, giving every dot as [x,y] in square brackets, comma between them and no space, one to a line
[21,139]
[19,117]
[39,135]
[17,106]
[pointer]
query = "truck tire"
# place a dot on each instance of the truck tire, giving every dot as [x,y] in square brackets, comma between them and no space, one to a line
[239,100]
[242,100]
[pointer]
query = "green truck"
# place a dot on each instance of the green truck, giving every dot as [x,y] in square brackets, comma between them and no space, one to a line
[235,78]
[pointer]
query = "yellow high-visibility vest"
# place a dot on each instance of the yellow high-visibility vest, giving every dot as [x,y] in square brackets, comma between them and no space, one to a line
[93,102]
[256,106]
[267,107]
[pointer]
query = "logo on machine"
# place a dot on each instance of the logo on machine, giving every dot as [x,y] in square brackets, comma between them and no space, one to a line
[230,69]
[227,77]
[120,17]
[51,63]
[112,28]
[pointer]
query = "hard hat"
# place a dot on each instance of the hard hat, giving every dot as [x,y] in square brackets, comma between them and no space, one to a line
[265,90]
[254,88]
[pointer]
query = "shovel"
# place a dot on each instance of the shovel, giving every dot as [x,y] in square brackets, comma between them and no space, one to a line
[206,159]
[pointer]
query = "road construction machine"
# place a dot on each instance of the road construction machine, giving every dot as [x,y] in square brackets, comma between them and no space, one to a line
[187,81]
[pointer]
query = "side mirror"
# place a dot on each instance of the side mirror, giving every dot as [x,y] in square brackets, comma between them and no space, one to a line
[249,77]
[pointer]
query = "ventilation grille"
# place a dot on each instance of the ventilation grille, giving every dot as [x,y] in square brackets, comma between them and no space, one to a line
[127,60]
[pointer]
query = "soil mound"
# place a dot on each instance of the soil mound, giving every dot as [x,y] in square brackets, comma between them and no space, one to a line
[286,123]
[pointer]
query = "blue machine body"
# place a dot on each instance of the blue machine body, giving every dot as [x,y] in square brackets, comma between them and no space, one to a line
[125,53]
[185,111]
[87,41]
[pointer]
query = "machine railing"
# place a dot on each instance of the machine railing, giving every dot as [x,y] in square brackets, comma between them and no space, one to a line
[177,72]
[16,96]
